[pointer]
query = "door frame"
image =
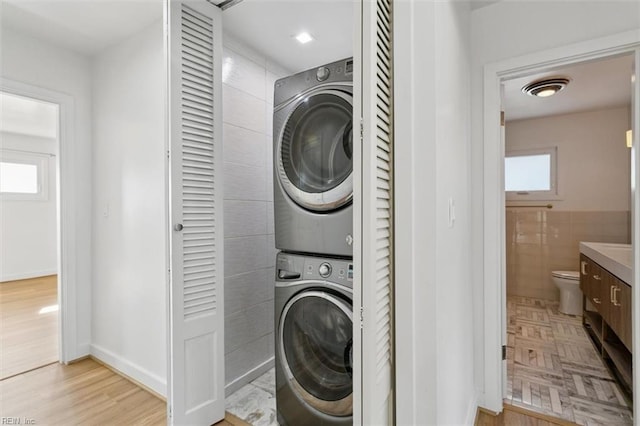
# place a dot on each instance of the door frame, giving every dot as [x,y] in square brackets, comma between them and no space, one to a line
[66,208]
[494,263]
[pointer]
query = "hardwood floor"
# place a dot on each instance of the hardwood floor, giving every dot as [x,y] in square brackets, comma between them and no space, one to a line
[516,416]
[85,393]
[28,324]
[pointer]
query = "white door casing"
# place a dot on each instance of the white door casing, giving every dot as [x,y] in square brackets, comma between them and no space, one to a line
[69,348]
[493,189]
[196,326]
[373,220]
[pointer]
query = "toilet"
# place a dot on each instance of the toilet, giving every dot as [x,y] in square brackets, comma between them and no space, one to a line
[568,282]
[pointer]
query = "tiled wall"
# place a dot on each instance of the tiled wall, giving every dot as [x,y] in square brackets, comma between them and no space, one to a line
[248,213]
[540,241]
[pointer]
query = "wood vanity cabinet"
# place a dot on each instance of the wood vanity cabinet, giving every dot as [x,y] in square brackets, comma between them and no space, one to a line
[609,325]
[620,310]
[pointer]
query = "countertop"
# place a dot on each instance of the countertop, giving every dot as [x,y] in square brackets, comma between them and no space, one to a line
[615,258]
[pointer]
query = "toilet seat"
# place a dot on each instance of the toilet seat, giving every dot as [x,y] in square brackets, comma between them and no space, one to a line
[567,275]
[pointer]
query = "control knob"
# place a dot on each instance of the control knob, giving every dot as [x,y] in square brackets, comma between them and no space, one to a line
[324,270]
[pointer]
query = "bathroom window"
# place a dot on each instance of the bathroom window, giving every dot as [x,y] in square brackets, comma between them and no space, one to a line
[23,176]
[531,174]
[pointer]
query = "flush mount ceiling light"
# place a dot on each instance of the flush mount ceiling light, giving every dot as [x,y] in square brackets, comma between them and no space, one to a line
[304,38]
[545,88]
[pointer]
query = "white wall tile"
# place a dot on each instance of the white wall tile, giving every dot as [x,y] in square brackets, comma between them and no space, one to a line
[248,289]
[270,218]
[247,357]
[245,254]
[272,252]
[269,172]
[242,109]
[244,218]
[243,146]
[248,325]
[269,87]
[242,73]
[244,182]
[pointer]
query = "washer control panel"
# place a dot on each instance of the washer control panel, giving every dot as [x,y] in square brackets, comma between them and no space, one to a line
[297,267]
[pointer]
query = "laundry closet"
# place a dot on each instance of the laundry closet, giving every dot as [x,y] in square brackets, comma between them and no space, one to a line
[310,85]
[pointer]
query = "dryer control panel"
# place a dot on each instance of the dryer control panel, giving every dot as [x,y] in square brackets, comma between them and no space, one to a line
[294,267]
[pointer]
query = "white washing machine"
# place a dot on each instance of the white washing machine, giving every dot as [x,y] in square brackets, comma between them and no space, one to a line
[313,160]
[314,329]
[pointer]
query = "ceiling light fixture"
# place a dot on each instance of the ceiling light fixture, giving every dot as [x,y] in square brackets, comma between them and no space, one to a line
[304,38]
[545,88]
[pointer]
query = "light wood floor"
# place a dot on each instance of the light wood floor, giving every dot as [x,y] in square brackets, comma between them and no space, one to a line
[28,335]
[84,393]
[516,416]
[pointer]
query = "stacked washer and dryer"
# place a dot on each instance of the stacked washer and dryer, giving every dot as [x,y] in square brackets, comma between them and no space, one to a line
[313,190]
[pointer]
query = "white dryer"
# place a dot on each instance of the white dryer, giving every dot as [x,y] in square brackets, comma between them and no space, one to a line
[313,160]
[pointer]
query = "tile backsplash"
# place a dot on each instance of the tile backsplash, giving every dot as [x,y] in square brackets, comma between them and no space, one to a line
[539,241]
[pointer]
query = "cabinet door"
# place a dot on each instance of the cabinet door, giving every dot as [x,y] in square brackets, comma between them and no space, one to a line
[598,290]
[585,277]
[620,311]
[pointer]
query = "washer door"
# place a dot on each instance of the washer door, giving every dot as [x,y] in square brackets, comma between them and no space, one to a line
[316,349]
[316,150]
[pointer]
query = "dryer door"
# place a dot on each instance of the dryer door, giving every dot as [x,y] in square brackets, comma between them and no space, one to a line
[315,150]
[316,349]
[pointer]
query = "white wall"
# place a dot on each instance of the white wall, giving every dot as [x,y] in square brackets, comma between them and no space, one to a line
[35,62]
[129,305]
[28,247]
[509,29]
[434,341]
[593,162]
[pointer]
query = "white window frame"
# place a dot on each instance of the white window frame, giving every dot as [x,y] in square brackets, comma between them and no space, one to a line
[41,161]
[551,194]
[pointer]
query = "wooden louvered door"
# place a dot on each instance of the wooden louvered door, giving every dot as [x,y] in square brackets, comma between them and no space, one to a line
[373,202]
[196,377]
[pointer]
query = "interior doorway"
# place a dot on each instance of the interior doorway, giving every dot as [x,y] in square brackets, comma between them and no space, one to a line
[30,252]
[495,217]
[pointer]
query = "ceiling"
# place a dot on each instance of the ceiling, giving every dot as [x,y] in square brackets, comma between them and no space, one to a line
[593,85]
[269,27]
[84,26]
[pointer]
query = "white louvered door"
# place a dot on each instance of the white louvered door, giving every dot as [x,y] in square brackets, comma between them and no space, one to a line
[373,201]
[196,377]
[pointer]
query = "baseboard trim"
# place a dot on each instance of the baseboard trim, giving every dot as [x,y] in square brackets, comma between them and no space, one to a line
[249,376]
[138,375]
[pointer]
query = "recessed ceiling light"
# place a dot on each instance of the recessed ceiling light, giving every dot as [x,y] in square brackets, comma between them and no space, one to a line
[547,87]
[304,38]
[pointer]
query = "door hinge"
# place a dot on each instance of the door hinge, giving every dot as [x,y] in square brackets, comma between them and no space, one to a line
[361,317]
[504,352]
[168,154]
[361,129]
[502,118]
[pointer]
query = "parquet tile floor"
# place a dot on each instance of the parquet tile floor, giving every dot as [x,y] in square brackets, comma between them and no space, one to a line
[554,369]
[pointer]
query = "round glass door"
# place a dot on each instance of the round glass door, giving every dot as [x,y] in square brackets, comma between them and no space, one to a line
[316,347]
[316,151]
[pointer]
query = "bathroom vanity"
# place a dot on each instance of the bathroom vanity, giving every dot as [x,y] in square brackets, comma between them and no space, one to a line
[605,281]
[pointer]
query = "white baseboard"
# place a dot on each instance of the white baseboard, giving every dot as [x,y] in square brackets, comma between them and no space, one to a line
[128,368]
[27,275]
[249,376]
[472,410]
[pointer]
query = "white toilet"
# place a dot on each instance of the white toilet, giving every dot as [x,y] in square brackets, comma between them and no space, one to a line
[568,282]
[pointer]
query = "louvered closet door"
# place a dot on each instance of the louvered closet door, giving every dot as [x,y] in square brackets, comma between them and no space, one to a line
[196,384]
[373,195]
